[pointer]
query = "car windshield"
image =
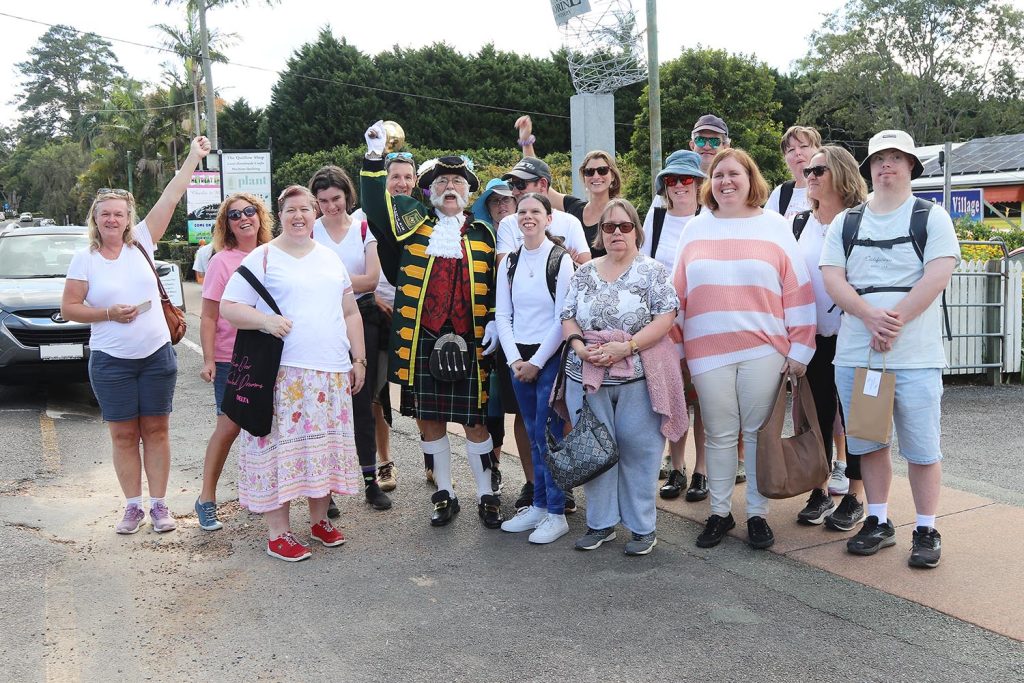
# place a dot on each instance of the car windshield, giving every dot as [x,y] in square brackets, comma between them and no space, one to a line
[33,256]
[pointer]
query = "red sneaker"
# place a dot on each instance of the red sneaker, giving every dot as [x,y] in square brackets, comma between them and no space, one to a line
[288,548]
[325,532]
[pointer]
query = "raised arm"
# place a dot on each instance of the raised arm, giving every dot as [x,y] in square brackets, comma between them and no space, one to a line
[159,217]
[526,138]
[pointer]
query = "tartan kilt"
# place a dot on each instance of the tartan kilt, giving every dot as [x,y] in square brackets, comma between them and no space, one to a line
[431,399]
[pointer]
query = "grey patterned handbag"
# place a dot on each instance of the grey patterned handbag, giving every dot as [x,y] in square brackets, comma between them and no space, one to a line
[589,449]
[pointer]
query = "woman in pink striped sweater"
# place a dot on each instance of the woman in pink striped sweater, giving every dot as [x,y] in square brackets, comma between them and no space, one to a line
[748,316]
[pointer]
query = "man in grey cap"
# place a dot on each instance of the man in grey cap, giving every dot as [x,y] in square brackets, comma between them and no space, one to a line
[709,135]
[885,263]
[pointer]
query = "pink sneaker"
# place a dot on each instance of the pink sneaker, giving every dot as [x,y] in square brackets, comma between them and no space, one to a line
[161,518]
[288,548]
[132,520]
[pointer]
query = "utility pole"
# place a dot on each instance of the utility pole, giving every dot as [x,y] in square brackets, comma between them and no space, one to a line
[129,155]
[211,109]
[947,176]
[653,88]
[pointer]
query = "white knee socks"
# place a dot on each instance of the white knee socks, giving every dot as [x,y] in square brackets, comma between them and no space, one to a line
[482,476]
[441,450]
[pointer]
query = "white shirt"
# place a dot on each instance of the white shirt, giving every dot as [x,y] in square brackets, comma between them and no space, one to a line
[919,345]
[130,280]
[309,292]
[811,241]
[202,260]
[352,247]
[668,242]
[797,203]
[526,313]
[563,225]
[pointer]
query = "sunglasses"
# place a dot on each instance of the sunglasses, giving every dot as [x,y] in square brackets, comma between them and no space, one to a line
[398,155]
[818,171]
[624,227]
[702,141]
[235,214]
[519,183]
[113,190]
[599,170]
[673,180]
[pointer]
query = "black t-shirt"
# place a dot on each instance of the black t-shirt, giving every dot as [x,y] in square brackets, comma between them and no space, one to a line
[574,206]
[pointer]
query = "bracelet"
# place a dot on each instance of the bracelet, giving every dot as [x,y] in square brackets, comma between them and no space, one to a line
[633,346]
[361,361]
[528,141]
[107,311]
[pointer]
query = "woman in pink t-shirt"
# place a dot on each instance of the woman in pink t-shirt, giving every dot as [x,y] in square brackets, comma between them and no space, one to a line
[243,223]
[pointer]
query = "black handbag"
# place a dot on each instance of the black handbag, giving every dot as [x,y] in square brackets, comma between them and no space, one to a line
[255,362]
[587,451]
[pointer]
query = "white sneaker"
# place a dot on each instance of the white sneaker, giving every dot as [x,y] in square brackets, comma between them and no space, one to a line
[526,519]
[551,529]
[838,484]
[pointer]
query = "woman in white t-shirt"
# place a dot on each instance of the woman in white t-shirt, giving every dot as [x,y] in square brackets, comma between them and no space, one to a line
[678,185]
[348,236]
[132,365]
[310,450]
[530,329]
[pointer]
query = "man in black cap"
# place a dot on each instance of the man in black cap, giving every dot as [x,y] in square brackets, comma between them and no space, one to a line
[709,135]
[442,265]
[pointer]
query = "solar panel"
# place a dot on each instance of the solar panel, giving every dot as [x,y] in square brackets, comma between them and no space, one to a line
[984,155]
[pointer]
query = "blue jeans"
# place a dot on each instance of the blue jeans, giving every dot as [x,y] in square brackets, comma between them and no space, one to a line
[220,384]
[533,406]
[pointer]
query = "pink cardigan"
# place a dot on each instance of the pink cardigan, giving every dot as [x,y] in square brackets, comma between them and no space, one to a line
[661,369]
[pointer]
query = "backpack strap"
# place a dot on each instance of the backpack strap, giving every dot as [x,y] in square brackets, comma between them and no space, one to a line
[851,226]
[553,266]
[659,223]
[800,222]
[362,229]
[513,261]
[785,195]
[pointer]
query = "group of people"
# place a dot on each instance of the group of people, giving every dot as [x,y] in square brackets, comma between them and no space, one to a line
[530,301]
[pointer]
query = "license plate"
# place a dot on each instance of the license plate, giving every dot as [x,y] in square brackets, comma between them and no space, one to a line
[61,351]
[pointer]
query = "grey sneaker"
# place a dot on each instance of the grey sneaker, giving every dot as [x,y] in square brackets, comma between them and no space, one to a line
[595,537]
[161,518]
[641,544]
[207,515]
[132,520]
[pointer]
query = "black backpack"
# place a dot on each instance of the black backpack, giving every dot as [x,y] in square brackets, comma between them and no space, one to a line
[785,195]
[551,270]
[800,222]
[659,222]
[918,237]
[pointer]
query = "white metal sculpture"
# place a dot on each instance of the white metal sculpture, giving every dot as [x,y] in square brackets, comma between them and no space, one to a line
[605,46]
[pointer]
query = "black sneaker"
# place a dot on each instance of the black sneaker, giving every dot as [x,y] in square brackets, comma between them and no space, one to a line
[698,490]
[377,499]
[445,508]
[872,537]
[927,547]
[570,502]
[715,530]
[495,478]
[819,504]
[759,534]
[674,486]
[332,509]
[489,509]
[525,498]
[847,515]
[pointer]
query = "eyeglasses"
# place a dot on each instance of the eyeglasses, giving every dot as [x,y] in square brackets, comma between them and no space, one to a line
[599,170]
[702,141]
[113,190]
[442,183]
[500,199]
[624,227]
[673,180]
[818,171]
[235,214]
[519,183]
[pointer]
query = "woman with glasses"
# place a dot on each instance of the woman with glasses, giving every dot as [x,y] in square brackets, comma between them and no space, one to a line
[132,365]
[834,183]
[310,450]
[600,176]
[747,309]
[242,224]
[348,236]
[677,185]
[616,319]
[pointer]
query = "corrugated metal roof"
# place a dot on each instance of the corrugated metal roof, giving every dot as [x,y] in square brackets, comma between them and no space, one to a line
[982,156]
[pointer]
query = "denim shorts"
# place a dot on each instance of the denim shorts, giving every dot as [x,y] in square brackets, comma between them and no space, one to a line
[917,414]
[128,388]
[220,383]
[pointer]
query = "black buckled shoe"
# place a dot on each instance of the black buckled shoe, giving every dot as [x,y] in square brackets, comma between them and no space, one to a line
[490,511]
[674,486]
[525,498]
[376,497]
[445,508]
[698,490]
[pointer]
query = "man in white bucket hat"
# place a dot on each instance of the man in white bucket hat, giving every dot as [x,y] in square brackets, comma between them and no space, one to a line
[885,263]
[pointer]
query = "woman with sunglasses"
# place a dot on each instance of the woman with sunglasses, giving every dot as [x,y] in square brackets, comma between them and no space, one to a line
[132,365]
[242,224]
[678,185]
[747,309]
[600,176]
[617,316]
[348,236]
[834,183]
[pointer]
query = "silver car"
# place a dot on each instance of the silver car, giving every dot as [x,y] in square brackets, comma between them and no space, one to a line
[36,343]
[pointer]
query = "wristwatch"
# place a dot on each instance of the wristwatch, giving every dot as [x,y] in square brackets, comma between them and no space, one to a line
[633,347]
[361,361]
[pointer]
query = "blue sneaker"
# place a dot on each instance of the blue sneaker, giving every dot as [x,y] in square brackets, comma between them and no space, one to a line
[207,514]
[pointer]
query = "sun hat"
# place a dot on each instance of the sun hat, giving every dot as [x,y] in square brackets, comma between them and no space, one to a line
[891,139]
[494,186]
[679,162]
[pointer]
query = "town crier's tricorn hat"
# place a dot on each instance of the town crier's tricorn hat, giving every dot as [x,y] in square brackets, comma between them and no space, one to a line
[460,166]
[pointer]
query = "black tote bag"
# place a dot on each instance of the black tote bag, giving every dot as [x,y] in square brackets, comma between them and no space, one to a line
[255,361]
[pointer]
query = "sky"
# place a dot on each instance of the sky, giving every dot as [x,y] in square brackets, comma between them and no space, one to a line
[269,35]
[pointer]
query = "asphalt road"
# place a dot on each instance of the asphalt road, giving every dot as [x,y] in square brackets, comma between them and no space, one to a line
[402,601]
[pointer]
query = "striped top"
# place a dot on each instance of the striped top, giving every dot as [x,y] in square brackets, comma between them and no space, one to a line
[743,290]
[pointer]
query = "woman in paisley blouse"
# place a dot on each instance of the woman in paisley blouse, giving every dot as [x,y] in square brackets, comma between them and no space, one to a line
[617,316]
